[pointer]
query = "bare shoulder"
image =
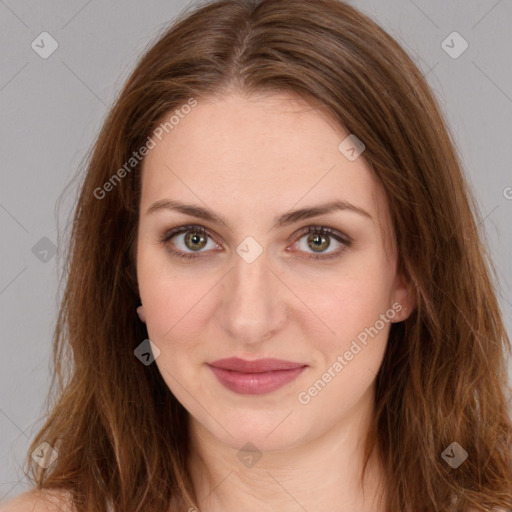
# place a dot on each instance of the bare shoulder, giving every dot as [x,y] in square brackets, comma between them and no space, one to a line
[38,501]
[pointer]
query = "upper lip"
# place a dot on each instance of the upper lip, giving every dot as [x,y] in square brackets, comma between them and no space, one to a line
[257,366]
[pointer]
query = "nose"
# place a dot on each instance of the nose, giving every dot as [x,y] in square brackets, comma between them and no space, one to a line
[254,305]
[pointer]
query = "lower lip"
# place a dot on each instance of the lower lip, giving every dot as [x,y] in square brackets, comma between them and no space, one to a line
[255,383]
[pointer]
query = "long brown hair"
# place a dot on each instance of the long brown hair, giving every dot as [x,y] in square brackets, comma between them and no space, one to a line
[121,436]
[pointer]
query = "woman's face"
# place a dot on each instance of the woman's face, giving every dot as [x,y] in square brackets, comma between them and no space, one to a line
[258,284]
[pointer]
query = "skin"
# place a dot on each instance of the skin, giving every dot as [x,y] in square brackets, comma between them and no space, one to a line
[250,159]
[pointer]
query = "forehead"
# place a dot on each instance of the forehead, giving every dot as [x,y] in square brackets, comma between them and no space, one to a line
[250,131]
[246,155]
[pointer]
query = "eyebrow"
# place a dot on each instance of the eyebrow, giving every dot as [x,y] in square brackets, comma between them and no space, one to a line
[283,220]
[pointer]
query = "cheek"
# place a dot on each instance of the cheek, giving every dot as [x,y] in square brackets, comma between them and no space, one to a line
[175,301]
[347,302]
[175,310]
[175,324]
[346,363]
[158,291]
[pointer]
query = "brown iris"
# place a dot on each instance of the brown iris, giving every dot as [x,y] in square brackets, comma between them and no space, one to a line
[318,242]
[197,239]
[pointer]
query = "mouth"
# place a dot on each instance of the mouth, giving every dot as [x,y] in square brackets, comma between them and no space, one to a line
[255,377]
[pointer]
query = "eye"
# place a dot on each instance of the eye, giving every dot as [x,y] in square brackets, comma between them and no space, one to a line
[191,240]
[195,238]
[318,238]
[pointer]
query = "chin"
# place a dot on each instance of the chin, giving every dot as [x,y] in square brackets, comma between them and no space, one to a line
[277,430]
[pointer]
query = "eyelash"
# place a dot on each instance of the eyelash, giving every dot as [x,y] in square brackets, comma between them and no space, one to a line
[323,230]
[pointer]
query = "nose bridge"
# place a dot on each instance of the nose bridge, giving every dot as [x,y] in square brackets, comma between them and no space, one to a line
[253,306]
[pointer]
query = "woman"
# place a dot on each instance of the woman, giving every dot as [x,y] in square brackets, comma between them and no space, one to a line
[276,203]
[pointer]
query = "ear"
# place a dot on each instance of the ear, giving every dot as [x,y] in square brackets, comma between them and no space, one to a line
[403,298]
[141,313]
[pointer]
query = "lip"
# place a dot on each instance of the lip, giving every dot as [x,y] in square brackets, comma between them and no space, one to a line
[255,377]
[257,366]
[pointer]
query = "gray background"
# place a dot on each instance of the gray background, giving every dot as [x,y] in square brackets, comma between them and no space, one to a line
[53,108]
